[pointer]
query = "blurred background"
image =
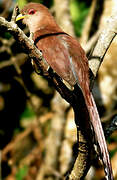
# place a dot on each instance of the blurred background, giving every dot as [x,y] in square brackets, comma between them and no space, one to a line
[37,130]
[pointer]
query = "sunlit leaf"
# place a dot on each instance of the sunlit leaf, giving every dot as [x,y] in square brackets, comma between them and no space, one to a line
[21,173]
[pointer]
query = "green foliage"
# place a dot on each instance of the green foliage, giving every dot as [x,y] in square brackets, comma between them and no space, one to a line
[28,113]
[26,116]
[21,3]
[112,153]
[22,172]
[7,35]
[36,1]
[79,11]
[114,140]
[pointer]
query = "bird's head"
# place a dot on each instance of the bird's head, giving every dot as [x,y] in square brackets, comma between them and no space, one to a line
[36,17]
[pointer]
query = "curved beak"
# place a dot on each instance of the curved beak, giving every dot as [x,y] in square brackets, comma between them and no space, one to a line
[20,16]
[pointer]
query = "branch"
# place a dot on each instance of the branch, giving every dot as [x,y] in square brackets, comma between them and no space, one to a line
[95,60]
[21,38]
[62,15]
[103,44]
[106,37]
[36,55]
[111,127]
[88,23]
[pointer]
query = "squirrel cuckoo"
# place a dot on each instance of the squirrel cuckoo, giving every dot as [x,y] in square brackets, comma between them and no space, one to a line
[67,58]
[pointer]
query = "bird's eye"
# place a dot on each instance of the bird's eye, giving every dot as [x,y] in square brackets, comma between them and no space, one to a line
[31,11]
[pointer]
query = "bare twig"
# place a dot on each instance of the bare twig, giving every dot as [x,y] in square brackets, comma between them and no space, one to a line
[15,13]
[88,23]
[92,41]
[104,41]
[53,141]
[111,127]
[62,14]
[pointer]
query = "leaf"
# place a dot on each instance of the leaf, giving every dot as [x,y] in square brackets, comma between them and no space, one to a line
[22,172]
[79,11]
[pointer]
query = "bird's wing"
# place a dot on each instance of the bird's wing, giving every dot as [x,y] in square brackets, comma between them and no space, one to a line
[57,56]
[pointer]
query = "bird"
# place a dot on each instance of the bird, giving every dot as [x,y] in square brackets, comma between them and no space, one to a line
[64,54]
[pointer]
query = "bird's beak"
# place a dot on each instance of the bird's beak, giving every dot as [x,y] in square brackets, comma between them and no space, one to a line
[20,16]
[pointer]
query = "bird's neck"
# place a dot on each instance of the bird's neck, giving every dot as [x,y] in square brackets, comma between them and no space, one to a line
[47,30]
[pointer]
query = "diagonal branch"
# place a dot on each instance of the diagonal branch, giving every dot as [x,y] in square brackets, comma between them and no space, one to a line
[104,41]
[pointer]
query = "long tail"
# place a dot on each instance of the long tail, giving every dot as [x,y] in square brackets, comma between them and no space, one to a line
[97,126]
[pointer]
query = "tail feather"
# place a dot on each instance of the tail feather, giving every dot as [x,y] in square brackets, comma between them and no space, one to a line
[97,126]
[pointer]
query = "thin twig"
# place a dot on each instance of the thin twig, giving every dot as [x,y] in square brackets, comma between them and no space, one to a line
[111,127]
[104,41]
[15,13]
